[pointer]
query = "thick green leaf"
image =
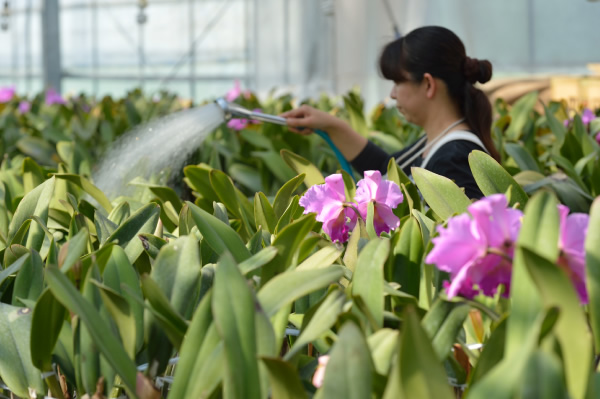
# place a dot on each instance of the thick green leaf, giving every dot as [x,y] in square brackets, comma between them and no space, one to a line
[285,382]
[349,371]
[275,164]
[144,220]
[592,270]
[233,311]
[219,236]
[557,128]
[264,214]
[492,178]
[285,194]
[303,166]
[225,190]
[324,257]
[72,250]
[285,288]
[522,157]
[46,324]
[520,115]
[540,228]
[442,195]
[88,187]
[323,319]
[105,340]
[187,374]
[122,314]
[421,372]
[16,368]
[288,242]
[544,377]
[33,175]
[36,203]
[383,345]
[119,273]
[367,281]
[443,323]
[258,260]
[197,177]
[104,227]
[29,282]
[571,329]
[405,265]
[152,244]
[13,268]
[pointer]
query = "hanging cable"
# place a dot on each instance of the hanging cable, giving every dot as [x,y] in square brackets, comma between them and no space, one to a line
[388,9]
[211,24]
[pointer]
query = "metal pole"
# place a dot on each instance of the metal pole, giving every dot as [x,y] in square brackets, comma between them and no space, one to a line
[192,52]
[51,44]
[95,47]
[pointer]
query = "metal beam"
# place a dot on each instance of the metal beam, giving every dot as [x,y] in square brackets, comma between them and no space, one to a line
[51,45]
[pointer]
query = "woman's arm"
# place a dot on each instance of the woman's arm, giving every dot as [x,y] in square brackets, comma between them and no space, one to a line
[304,119]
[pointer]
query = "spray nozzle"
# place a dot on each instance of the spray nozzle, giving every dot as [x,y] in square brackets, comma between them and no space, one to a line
[231,110]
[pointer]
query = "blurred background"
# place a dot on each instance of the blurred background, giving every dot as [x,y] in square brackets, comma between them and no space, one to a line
[198,48]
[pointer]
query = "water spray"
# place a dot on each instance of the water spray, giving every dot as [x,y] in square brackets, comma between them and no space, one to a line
[231,110]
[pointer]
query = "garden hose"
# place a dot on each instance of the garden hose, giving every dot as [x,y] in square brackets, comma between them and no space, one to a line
[231,110]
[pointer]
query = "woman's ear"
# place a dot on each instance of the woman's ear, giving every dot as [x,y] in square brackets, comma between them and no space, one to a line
[430,85]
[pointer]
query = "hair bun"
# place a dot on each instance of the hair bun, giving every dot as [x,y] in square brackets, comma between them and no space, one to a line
[477,70]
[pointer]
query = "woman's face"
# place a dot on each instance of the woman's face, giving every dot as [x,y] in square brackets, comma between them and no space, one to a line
[410,100]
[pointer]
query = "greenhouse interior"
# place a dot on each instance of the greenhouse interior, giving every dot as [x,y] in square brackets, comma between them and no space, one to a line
[299,198]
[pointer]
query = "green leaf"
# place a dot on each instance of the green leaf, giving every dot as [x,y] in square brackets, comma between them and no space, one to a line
[29,282]
[33,175]
[443,323]
[275,164]
[119,273]
[264,214]
[88,187]
[288,242]
[323,319]
[557,128]
[233,310]
[383,345]
[544,377]
[72,250]
[492,178]
[122,314]
[367,281]
[12,268]
[198,178]
[152,244]
[258,260]
[324,257]
[520,115]
[105,340]
[225,189]
[540,228]
[349,370]
[218,235]
[34,203]
[303,166]
[16,368]
[421,373]
[522,157]
[592,270]
[442,195]
[144,220]
[285,194]
[571,329]
[47,321]
[407,256]
[285,288]
[285,383]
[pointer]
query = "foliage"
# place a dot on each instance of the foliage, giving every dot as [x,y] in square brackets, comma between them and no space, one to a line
[244,293]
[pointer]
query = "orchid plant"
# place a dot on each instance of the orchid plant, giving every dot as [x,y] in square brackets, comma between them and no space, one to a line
[339,216]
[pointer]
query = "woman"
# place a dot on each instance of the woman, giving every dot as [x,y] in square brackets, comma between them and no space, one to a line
[433,88]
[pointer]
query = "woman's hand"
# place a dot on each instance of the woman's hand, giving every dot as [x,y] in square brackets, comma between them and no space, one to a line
[305,119]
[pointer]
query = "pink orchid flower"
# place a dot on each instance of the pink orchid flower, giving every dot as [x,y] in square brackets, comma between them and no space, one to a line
[234,92]
[237,124]
[52,97]
[385,195]
[328,201]
[6,94]
[477,249]
[319,375]
[587,116]
[571,242]
[24,106]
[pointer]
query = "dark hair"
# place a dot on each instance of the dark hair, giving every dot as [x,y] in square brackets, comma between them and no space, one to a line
[438,51]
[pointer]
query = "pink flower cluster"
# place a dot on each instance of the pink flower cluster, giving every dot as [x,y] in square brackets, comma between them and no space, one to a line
[339,217]
[586,117]
[477,248]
